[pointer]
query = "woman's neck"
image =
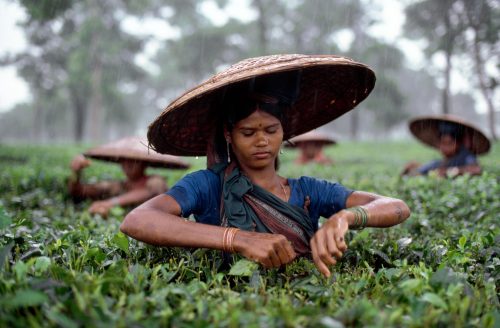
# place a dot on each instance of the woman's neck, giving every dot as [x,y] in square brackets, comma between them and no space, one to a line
[267,179]
[137,179]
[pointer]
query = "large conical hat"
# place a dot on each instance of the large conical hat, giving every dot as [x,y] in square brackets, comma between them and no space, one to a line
[426,129]
[329,86]
[135,148]
[312,136]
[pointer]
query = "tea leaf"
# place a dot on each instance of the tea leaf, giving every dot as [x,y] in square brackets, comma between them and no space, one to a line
[243,268]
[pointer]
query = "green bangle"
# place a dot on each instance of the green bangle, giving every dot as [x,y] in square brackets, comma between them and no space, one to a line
[360,217]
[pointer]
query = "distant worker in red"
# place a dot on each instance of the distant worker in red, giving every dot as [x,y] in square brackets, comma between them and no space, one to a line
[459,143]
[133,155]
[311,147]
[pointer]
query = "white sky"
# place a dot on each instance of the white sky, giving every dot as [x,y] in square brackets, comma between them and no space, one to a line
[14,90]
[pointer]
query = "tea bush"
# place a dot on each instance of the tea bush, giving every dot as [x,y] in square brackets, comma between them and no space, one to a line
[60,266]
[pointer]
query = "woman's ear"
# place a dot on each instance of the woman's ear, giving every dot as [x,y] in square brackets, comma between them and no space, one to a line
[227,135]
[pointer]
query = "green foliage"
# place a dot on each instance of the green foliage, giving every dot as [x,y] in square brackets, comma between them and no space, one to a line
[59,266]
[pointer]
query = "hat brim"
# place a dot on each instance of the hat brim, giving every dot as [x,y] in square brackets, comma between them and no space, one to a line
[136,149]
[426,129]
[312,136]
[330,86]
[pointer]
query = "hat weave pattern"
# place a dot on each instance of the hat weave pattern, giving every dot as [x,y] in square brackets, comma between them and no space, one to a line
[330,86]
[136,149]
[426,129]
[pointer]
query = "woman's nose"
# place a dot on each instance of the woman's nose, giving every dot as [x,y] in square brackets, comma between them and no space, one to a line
[262,140]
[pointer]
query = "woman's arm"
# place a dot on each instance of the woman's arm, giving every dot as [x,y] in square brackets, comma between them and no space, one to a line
[328,244]
[158,222]
[472,169]
[132,197]
[80,190]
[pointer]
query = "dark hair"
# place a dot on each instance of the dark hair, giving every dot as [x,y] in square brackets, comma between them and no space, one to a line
[240,108]
[456,131]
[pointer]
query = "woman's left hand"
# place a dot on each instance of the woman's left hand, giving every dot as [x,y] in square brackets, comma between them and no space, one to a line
[328,243]
[101,207]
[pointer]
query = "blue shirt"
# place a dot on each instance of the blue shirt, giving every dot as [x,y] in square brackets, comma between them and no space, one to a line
[199,193]
[462,158]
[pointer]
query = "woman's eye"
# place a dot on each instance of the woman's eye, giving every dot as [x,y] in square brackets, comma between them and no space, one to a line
[247,133]
[272,131]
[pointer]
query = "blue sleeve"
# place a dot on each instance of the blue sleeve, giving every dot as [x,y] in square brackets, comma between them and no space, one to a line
[327,198]
[470,160]
[424,169]
[194,192]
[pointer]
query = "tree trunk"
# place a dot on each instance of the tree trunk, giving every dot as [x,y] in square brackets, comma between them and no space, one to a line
[37,134]
[481,74]
[354,125]
[96,117]
[447,70]
[79,116]
[483,86]
[262,23]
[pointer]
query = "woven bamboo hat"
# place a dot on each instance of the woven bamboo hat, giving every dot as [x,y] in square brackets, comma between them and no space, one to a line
[427,130]
[329,87]
[135,148]
[312,136]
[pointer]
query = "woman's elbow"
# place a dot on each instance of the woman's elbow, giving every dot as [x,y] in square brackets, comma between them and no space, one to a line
[403,210]
[129,223]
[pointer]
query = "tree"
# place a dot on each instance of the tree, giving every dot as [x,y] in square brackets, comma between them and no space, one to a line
[482,18]
[79,47]
[440,24]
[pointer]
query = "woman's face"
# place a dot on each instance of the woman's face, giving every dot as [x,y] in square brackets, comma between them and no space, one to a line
[448,146]
[256,140]
[311,149]
[133,169]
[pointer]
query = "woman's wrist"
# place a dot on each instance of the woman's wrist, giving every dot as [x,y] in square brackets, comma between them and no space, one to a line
[358,217]
[228,238]
[114,201]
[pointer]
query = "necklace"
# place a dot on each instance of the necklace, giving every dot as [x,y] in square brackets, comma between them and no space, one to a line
[284,191]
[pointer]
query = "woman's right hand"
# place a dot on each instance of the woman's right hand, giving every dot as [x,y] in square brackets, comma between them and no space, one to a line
[270,250]
[79,162]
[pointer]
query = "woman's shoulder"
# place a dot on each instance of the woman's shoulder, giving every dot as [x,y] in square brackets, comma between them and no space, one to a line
[156,183]
[204,176]
[204,173]
[312,185]
[310,180]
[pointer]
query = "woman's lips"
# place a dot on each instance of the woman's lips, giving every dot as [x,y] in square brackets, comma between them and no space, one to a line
[262,155]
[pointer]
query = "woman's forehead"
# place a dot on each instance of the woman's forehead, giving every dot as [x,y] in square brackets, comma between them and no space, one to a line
[258,118]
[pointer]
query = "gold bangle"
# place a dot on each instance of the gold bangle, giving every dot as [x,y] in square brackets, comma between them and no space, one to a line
[228,238]
[224,239]
[231,239]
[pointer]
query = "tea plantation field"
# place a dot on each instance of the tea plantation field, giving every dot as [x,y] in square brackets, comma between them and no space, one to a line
[59,266]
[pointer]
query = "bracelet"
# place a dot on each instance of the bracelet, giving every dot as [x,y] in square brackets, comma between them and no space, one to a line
[360,217]
[228,238]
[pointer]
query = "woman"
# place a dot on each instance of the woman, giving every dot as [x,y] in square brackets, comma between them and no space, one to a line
[311,147]
[458,142]
[134,157]
[239,118]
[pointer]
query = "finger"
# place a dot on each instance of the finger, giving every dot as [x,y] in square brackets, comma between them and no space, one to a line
[274,258]
[289,250]
[331,244]
[341,245]
[285,252]
[266,262]
[321,247]
[317,261]
[282,254]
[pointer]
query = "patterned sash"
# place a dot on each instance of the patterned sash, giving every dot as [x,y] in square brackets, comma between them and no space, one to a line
[250,207]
